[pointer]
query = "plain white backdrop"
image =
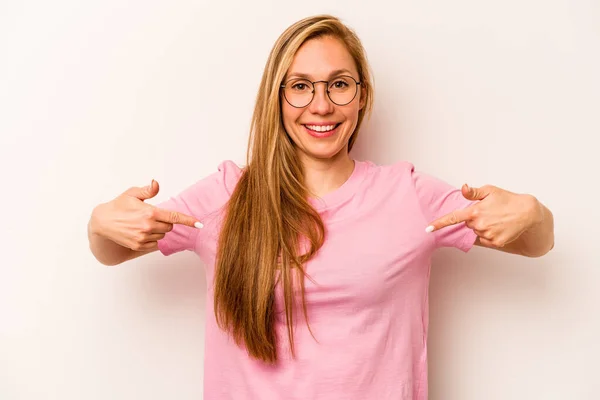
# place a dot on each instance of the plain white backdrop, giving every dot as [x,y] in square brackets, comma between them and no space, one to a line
[98,96]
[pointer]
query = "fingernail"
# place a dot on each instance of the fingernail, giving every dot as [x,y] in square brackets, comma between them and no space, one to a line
[199,225]
[429,229]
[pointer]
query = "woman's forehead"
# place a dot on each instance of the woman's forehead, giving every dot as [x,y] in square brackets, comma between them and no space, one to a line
[322,58]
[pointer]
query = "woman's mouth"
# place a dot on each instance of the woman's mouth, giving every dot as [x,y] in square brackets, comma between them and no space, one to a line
[321,131]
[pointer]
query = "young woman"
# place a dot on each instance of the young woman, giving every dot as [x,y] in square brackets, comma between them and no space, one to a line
[317,263]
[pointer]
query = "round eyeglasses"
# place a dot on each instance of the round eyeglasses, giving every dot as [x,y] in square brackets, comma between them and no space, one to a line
[299,92]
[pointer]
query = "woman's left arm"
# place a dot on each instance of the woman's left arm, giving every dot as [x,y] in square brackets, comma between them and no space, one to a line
[506,221]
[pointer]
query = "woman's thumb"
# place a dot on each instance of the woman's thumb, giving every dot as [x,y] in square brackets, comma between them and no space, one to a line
[146,192]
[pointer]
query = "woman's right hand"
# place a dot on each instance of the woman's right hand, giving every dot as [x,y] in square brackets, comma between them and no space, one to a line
[130,222]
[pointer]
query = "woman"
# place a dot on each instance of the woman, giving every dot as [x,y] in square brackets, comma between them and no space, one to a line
[318,264]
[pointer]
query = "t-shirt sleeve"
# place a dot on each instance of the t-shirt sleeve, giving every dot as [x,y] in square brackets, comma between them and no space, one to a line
[199,200]
[438,198]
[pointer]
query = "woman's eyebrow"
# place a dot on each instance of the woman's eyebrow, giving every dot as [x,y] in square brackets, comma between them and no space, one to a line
[331,74]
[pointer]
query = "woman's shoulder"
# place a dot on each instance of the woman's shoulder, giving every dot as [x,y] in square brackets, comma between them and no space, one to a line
[228,174]
[400,169]
[403,175]
[215,186]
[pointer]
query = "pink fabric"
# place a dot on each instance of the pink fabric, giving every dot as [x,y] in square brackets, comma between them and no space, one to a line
[368,308]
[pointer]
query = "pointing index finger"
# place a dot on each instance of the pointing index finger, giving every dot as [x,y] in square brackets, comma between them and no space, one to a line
[174,217]
[453,218]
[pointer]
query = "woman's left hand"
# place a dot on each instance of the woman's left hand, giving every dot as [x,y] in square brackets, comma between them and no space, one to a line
[498,218]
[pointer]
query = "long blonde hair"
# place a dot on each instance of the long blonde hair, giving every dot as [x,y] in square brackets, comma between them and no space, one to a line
[269,211]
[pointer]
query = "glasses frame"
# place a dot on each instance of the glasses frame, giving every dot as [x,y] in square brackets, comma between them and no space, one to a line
[283,86]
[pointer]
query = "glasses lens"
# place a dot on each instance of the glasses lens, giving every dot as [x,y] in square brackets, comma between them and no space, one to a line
[342,90]
[298,92]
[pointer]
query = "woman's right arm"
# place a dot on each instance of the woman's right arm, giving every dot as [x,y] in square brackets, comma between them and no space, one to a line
[126,227]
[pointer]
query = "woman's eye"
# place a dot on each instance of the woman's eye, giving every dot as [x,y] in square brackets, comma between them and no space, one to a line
[299,86]
[339,84]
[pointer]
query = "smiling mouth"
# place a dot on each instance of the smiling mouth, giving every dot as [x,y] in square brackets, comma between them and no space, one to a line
[321,128]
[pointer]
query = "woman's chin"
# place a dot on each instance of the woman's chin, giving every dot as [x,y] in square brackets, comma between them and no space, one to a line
[323,152]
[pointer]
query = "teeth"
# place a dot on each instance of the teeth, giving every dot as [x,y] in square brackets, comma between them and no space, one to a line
[320,128]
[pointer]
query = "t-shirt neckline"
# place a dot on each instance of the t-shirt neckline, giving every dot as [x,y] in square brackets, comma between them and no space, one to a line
[345,191]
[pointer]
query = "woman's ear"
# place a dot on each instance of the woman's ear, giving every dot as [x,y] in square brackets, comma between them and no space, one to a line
[363,97]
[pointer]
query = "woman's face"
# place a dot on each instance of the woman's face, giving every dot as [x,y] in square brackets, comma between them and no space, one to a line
[322,59]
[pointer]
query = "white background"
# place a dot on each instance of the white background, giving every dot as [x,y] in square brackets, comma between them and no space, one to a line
[98,96]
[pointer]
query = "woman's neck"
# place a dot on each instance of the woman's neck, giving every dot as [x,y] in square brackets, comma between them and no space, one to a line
[323,176]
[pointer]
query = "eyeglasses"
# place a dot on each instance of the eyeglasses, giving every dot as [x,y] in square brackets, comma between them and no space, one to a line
[299,92]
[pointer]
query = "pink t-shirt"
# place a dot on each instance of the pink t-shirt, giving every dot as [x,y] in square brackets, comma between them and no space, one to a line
[368,306]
